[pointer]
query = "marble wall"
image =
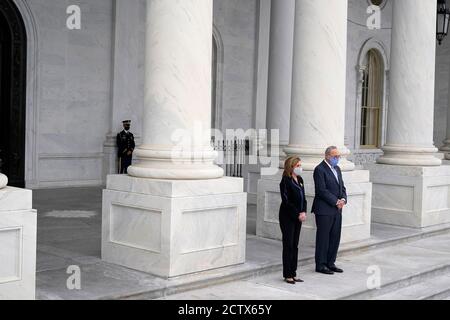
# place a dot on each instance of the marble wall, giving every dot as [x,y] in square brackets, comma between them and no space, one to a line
[237,22]
[72,93]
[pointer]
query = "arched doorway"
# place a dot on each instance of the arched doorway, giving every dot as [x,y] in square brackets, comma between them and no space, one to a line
[13,59]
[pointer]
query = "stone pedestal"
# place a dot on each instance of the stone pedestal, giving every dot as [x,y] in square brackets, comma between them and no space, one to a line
[356,216]
[251,174]
[18,228]
[408,196]
[173,228]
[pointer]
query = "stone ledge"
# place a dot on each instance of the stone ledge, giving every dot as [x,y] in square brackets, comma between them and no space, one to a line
[13,199]
[174,188]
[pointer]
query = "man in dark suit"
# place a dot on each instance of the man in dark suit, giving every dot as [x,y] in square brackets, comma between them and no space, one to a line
[125,146]
[330,199]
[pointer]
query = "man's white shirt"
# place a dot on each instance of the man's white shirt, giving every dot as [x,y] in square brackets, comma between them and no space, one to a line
[335,174]
[334,171]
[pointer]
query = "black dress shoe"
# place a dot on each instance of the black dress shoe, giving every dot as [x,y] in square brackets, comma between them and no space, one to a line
[298,280]
[325,270]
[336,269]
[289,281]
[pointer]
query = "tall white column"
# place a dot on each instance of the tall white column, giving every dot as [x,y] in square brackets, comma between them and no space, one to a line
[3,181]
[319,79]
[411,108]
[177,115]
[410,184]
[318,119]
[282,20]
[446,147]
[175,213]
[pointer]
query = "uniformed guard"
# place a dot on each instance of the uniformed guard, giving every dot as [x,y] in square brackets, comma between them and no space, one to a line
[126,146]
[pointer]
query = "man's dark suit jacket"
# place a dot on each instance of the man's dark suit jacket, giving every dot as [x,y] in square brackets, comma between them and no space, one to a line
[328,190]
[293,198]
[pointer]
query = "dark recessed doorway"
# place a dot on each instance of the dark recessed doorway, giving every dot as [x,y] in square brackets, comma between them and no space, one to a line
[13,45]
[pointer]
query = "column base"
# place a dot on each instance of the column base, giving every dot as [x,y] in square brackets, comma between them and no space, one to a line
[173,228]
[169,171]
[440,155]
[110,158]
[416,197]
[3,181]
[409,156]
[172,163]
[446,147]
[18,229]
[356,217]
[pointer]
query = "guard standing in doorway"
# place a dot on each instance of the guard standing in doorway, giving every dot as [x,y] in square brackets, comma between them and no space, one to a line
[126,146]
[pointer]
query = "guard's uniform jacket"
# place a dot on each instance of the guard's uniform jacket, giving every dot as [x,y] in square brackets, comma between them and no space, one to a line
[125,143]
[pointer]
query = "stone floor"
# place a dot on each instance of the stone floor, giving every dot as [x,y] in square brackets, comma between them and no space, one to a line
[69,229]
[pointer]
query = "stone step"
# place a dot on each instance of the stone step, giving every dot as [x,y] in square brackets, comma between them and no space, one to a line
[433,283]
[444,295]
[248,270]
[417,270]
[435,288]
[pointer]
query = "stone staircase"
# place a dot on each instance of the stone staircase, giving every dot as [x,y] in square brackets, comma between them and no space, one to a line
[431,284]
[261,273]
[414,267]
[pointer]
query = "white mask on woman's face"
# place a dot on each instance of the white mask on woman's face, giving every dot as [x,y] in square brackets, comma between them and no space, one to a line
[298,171]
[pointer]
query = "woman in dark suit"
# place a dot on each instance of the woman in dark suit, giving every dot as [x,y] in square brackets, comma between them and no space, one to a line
[292,215]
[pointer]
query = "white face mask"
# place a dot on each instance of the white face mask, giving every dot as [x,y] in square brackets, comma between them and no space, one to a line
[298,171]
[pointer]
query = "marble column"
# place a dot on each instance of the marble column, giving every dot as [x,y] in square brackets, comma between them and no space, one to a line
[319,79]
[411,108]
[446,147]
[175,213]
[410,186]
[282,20]
[3,181]
[318,120]
[177,106]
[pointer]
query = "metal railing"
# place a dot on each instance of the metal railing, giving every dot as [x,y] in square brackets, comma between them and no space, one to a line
[232,155]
